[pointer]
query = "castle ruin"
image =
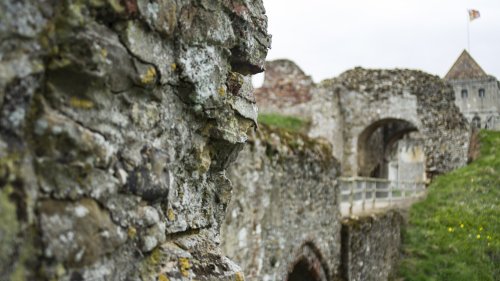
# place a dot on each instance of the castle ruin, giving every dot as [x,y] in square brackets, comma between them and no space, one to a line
[121,122]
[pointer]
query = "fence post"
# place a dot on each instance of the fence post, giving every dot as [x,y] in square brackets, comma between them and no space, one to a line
[390,189]
[374,194]
[363,194]
[351,184]
[403,188]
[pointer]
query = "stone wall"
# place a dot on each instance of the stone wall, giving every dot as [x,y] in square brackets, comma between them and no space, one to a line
[284,210]
[118,120]
[370,246]
[285,85]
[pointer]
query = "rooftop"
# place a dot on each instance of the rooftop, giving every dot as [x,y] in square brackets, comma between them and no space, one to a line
[465,68]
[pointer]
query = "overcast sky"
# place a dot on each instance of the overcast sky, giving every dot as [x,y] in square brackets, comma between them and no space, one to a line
[327,37]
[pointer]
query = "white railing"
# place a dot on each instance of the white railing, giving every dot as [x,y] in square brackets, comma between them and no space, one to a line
[359,194]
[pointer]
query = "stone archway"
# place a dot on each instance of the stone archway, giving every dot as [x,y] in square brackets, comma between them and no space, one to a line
[308,266]
[303,271]
[476,122]
[379,148]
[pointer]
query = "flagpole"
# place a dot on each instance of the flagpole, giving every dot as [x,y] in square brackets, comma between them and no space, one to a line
[468,32]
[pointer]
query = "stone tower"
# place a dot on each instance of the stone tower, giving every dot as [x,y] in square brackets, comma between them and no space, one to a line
[477,94]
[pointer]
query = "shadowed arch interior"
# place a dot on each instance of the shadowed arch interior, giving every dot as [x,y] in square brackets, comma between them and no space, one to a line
[303,271]
[308,266]
[373,142]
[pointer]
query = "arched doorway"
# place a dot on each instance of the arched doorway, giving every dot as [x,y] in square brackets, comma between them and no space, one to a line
[391,149]
[308,266]
[476,122]
[303,271]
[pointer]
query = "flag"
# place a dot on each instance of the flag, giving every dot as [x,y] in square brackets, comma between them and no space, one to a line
[473,14]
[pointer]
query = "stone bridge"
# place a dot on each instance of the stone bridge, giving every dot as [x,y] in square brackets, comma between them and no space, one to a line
[361,196]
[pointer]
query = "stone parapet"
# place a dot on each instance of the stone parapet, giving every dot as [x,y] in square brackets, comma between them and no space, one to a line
[284,215]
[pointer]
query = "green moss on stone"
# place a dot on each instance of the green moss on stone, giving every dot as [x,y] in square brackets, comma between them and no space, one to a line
[289,123]
[295,143]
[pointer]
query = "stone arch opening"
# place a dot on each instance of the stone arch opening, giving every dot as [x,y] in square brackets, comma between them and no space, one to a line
[308,266]
[303,271]
[392,149]
[476,122]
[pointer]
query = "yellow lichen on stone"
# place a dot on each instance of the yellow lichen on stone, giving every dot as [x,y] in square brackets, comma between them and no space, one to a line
[76,13]
[8,170]
[116,5]
[104,53]
[222,91]
[81,103]
[205,160]
[149,77]
[38,66]
[60,270]
[155,257]
[132,232]
[184,266]
[163,277]
[239,276]
[59,63]
[97,3]
[173,66]
[170,214]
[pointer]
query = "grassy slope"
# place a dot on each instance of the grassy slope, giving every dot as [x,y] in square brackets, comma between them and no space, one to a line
[454,234]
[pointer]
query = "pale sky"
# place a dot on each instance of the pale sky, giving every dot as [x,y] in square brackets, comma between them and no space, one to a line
[327,37]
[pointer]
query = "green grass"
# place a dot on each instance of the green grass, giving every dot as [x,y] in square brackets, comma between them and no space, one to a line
[289,123]
[454,234]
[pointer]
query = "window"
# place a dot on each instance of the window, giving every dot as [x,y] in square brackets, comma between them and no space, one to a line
[481,93]
[464,93]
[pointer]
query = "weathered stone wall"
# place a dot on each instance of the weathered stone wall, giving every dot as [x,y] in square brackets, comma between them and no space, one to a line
[371,246]
[118,120]
[284,208]
[285,85]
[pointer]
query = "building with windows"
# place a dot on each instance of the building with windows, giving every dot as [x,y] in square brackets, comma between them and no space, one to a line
[477,94]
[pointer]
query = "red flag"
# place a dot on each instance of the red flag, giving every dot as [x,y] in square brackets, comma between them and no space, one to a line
[473,14]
